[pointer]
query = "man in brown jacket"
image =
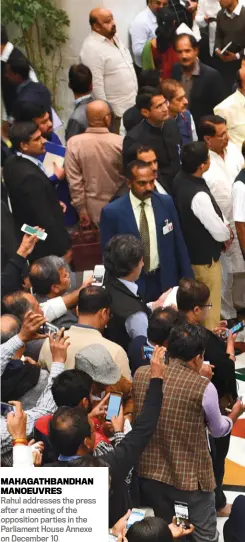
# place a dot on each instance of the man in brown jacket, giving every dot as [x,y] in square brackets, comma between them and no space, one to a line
[93,164]
[176,465]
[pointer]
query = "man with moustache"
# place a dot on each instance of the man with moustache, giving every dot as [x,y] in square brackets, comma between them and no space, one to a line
[114,78]
[152,217]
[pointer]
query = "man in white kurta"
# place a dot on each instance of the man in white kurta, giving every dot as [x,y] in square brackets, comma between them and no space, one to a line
[232,109]
[226,162]
[114,78]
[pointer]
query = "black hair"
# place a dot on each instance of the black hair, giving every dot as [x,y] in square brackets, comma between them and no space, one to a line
[192,40]
[193,155]
[134,164]
[21,132]
[122,255]
[165,28]
[238,78]
[243,149]
[20,66]
[17,304]
[27,111]
[149,78]
[151,529]
[14,327]
[133,152]
[92,20]
[144,97]
[88,461]
[44,273]
[186,342]
[208,123]
[70,387]
[80,79]
[4,35]
[92,299]
[192,293]
[68,428]
[161,322]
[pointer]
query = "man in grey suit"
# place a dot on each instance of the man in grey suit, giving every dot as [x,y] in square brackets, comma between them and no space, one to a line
[80,82]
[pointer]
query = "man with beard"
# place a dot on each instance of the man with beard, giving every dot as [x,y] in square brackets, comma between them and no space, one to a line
[114,78]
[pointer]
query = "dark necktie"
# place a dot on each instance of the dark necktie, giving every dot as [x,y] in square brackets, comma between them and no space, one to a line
[145,237]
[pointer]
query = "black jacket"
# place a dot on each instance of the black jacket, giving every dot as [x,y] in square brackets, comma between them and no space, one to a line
[166,143]
[224,378]
[128,452]
[124,304]
[9,90]
[34,202]
[202,247]
[207,91]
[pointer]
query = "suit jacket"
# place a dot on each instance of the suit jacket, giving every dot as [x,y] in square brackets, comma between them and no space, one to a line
[166,143]
[34,202]
[78,122]
[118,218]
[94,169]
[207,91]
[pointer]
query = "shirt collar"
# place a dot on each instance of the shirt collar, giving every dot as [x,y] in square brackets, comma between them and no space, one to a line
[196,70]
[85,326]
[98,130]
[103,38]
[132,286]
[135,202]
[82,99]
[7,51]
[67,457]
[235,12]
[31,158]
[151,15]
[240,97]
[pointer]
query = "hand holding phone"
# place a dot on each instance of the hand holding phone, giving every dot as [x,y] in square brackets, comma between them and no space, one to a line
[42,235]
[99,273]
[182,514]
[114,405]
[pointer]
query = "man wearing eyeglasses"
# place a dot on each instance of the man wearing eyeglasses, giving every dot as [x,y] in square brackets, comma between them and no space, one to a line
[226,161]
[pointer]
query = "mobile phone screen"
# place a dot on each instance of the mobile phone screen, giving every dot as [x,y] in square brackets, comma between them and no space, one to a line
[148,351]
[237,327]
[182,514]
[113,406]
[31,231]
[136,515]
[6,408]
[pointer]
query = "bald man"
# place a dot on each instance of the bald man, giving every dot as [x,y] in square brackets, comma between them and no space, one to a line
[232,109]
[110,62]
[93,164]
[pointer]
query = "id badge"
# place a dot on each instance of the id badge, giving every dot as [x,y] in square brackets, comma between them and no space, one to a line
[168,227]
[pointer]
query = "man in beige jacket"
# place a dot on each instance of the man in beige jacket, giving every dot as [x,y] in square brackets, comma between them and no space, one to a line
[93,316]
[93,164]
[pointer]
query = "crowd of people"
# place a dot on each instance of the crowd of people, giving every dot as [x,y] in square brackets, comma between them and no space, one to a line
[155,160]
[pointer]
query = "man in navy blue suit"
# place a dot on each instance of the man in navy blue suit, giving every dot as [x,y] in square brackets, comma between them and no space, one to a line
[153,218]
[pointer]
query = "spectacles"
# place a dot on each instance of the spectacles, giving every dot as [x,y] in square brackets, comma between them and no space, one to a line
[208,306]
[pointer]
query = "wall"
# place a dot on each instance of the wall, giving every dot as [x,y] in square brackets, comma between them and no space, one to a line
[78,10]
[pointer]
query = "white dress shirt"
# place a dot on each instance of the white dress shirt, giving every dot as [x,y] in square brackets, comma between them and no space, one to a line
[232,109]
[220,178]
[114,78]
[135,202]
[238,197]
[142,30]
[203,209]
[208,8]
